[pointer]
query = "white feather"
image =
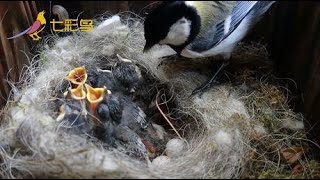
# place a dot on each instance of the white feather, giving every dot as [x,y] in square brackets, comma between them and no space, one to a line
[227,24]
[178,33]
[189,3]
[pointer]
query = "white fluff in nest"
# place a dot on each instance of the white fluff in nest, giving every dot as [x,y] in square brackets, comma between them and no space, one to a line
[64,44]
[174,147]
[258,131]
[108,50]
[223,138]
[65,155]
[292,124]
[161,161]
[113,23]
[114,20]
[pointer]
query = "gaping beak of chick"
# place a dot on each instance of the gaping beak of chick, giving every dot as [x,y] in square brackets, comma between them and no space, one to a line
[95,96]
[78,93]
[78,75]
[148,46]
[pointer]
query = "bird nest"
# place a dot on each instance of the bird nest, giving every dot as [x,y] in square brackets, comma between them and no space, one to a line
[94,106]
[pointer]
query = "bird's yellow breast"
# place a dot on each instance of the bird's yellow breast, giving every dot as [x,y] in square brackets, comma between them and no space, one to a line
[211,12]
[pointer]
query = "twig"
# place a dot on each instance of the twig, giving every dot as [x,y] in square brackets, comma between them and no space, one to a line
[165,117]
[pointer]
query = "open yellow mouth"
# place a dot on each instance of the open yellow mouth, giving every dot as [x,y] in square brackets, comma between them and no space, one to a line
[95,96]
[78,75]
[78,93]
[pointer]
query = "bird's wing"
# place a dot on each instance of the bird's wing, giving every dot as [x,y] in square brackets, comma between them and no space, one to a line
[134,117]
[224,28]
[133,143]
[20,34]
[240,11]
[36,25]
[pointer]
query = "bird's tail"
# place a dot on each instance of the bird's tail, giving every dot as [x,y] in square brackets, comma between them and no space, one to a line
[20,34]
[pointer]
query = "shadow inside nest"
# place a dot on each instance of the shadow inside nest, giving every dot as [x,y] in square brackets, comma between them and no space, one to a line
[130,114]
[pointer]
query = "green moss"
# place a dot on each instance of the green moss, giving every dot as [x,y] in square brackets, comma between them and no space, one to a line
[269,120]
[267,103]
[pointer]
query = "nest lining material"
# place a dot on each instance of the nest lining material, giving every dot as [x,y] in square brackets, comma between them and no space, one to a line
[224,130]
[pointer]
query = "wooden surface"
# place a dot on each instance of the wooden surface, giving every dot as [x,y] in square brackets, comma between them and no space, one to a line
[15,16]
[295,45]
[292,30]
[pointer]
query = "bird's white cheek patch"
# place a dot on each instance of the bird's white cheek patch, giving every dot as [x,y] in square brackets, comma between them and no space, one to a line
[178,33]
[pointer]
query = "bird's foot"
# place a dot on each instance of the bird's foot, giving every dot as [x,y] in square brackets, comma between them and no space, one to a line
[173,56]
[201,89]
[35,37]
[204,87]
[167,59]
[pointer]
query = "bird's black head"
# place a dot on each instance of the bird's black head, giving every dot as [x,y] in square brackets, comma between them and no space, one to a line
[173,23]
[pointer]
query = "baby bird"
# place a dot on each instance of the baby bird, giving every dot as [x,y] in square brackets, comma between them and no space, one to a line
[122,110]
[126,125]
[72,112]
[131,142]
[100,78]
[124,76]
[197,29]
[127,74]
[120,126]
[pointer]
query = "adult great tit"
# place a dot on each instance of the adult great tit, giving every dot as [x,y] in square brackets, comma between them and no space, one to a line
[196,29]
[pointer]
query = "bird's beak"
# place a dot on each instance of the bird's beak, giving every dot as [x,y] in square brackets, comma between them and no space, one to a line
[78,76]
[78,93]
[95,96]
[147,47]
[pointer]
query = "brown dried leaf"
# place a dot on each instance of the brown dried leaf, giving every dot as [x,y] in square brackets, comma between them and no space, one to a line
[297,169]
[291,155]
